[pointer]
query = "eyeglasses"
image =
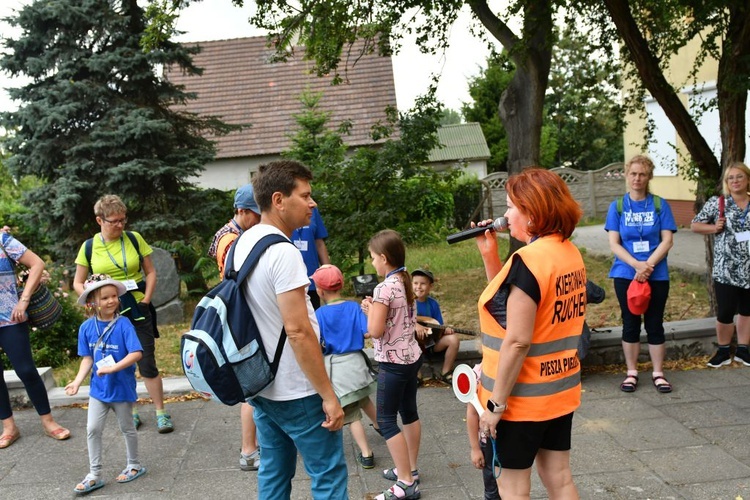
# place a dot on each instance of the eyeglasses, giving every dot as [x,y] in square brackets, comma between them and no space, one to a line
[118,222]
[740,177]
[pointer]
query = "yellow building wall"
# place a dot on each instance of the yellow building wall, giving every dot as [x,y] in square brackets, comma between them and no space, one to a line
[671,187]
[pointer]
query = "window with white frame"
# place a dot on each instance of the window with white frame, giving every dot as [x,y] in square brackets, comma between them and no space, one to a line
[661,145]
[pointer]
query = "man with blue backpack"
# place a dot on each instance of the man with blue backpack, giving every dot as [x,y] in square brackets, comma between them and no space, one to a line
[275,292]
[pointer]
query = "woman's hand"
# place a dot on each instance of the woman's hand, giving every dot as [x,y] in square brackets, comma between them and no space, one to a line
[721,222]
[486,243]
[643,271]
[18,315]
[488,423]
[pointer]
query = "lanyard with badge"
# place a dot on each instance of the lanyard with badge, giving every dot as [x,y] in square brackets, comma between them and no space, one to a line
[299,242]
[639,246]
[130,284]
[744,234]
[107,360]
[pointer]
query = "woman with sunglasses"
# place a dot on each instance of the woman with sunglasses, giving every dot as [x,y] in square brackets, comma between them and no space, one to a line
[126,257]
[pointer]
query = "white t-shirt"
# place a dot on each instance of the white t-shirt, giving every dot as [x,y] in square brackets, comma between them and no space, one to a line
[279,270]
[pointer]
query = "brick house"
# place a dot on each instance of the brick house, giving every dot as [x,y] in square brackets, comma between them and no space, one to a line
[241,85]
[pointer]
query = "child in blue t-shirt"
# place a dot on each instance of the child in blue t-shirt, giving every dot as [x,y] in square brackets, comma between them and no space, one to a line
[108,344]
[428,310]
[343,327]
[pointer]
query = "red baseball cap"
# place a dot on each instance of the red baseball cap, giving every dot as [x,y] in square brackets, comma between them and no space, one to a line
[639,295]
[328,277]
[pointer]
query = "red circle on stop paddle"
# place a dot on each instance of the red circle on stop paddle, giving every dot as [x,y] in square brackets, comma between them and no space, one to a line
[463,384]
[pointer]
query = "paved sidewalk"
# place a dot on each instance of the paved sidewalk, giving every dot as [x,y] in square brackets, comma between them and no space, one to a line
[688,252]
[691,444]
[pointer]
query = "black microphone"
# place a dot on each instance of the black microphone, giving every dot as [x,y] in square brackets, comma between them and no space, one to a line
[498,224]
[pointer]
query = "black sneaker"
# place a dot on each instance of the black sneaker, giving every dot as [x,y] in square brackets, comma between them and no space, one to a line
[366,462]
[721,358]
[742,356]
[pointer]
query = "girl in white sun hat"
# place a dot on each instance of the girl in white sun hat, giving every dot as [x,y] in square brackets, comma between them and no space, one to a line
[109,346]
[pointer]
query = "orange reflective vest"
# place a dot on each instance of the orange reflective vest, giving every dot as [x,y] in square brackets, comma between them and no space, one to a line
[549,383]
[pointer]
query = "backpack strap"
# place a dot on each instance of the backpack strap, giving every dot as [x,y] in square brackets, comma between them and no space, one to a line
[88,249]
[247,267]
[722,205]
[134,242]
[657,204]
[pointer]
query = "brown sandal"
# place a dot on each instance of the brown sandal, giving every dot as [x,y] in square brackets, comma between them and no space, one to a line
[663,388]
[626,386]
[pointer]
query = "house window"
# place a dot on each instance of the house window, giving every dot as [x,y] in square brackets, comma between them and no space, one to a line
[662,142]
[706,116]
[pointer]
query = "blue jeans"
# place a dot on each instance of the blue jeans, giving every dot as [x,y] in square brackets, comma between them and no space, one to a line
[285,427]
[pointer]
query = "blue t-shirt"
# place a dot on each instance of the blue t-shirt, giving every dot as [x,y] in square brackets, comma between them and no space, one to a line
[304,239]
[638,222]
[430,308]
[119,341]
[342,327]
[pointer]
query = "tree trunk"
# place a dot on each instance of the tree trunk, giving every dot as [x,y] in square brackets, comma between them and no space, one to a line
[653,79]
[731,84]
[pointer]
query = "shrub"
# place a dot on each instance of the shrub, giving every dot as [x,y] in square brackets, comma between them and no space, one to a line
[467,193]
[58,344]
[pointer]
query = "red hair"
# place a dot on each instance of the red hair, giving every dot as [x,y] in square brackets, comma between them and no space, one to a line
[546,199]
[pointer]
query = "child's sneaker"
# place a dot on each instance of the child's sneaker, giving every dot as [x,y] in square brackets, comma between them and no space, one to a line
[366,462]
[742,356]
[164,424]
[251,461]
[721,358]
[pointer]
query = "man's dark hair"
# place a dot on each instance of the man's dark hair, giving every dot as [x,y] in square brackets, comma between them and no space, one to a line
[278,176]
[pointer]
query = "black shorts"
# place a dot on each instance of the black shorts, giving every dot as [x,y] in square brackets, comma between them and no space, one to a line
[518,443]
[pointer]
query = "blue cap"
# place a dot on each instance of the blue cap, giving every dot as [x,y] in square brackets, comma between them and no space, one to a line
[244,199]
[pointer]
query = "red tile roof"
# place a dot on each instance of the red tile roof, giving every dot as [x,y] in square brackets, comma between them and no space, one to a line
[240,85]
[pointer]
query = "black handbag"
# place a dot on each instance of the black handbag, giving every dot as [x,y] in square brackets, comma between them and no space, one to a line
[43,309]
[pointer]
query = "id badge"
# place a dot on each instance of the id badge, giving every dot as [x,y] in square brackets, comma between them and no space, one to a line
[743,236]
[640,246]
[301,245]
[130,285]
[108,360]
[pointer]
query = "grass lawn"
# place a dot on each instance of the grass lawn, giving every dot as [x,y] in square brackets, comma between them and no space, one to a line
[460,280]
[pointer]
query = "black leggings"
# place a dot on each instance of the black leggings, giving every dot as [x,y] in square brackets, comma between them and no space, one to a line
[14,339]
[731,300]
[653,319]
[397,394]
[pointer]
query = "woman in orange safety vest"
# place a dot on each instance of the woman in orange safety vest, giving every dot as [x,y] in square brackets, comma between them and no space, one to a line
[532,315]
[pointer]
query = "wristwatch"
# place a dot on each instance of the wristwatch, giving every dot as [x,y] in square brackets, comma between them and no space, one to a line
[495,407]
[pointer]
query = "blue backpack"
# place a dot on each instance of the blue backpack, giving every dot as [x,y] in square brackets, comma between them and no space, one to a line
[223,355]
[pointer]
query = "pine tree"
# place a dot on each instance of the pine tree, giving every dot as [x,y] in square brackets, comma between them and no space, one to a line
[97,118]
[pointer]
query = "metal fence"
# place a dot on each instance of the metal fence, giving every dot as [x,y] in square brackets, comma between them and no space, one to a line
[593,189]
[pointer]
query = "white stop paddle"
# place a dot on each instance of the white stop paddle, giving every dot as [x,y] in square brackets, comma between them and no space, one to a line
[465,387]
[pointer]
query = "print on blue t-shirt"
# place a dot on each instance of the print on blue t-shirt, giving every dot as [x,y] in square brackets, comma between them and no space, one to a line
[119,341]
[640,224]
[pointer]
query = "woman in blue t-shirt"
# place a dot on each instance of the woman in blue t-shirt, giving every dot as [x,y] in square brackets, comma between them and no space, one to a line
[641,228]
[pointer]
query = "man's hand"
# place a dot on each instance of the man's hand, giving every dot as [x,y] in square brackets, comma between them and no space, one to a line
[334,415]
